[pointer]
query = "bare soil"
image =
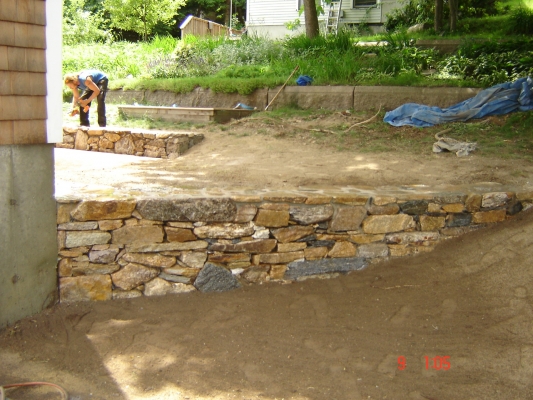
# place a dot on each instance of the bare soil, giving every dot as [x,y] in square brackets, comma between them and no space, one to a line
[470,300]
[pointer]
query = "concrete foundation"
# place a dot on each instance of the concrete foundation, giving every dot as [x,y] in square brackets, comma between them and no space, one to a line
[28,244]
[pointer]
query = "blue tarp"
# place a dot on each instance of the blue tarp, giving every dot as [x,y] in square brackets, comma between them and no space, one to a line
[496,100]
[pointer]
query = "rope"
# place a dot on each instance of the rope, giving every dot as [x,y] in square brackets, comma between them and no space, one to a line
[64,394]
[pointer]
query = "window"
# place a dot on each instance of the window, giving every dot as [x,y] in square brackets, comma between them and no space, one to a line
[364,3]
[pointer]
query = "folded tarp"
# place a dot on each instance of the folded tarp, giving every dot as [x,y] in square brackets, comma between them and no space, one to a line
[496,100]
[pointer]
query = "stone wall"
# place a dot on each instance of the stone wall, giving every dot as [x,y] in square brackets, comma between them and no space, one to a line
[133,142]
[129,248]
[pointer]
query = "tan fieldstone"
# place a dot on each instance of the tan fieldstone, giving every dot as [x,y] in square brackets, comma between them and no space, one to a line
[64,267]
[294,246]
[281,198]
[336,237]
[149,259]
[131,222]
[271,218]
[525,196]
[292,233]
[387,223]
[138,234]
[277,271]
[106,144]
[484,217]
[318,199]
[112,137]
[223,258]
[126,294]
[387,209]
[85,288]
[110,224]
[240,264]
[411,237]
[347,218]
[103,256]
[179,234]
[80,142]
[454,208]
[354,200]
[383,200]
[226,230]
[160,287]
[193,259]
[61,240]
[275,206]
[174,246]
[133,275]
[91,210]
[184,225]
[75,251]
[459,230]
[86,238]
[245,213]
[315,253]
[361,238]
[280,258]
[78,226]
[428,223]
[246,199]
[256,274]
[63,212]
[182,271]
[86,268]
[434,208]
[473,202]
[401,250]
[342,250]
[373,250]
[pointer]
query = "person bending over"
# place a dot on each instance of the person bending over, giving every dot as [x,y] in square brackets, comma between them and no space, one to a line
[93,84]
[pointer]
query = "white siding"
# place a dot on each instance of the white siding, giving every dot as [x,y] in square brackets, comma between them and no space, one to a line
[272,12]
[269,16]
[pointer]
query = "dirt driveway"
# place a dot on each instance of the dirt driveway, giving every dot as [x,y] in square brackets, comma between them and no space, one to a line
[456,323]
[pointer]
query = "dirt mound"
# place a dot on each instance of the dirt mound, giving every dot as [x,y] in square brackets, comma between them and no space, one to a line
[470,301]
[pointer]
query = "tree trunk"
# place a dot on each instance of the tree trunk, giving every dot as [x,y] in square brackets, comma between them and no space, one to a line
[454,6]
[439,5]
[227,14]
[311,19]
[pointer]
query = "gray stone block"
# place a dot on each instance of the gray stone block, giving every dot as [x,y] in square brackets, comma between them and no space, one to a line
[298,269]
[205,210]
[213,278]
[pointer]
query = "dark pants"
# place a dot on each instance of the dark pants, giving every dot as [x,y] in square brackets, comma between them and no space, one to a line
[84,116]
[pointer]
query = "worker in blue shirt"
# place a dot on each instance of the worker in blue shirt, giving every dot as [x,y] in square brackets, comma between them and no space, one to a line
[93,84]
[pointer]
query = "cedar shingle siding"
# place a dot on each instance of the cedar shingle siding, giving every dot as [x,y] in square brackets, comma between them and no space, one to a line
[22,72]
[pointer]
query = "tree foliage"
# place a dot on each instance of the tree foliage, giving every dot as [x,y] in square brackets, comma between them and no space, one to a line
[81,25]
[141,16]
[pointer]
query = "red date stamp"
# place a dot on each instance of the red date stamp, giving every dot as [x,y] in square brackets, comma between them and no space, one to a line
[437,363]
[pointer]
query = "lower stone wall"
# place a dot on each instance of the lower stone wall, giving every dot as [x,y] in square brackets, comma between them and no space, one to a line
[158,144]
[127,248]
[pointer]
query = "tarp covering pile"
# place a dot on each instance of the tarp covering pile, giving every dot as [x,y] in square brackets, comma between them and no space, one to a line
[496,100]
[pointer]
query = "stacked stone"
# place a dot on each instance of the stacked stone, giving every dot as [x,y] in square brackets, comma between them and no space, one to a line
[129,248]
[132,142]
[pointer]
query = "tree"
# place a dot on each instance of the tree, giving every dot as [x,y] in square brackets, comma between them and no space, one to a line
[311,19]
[454,9]
[141,16]
[439,6]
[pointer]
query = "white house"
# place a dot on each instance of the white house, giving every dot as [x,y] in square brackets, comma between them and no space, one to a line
[269,17]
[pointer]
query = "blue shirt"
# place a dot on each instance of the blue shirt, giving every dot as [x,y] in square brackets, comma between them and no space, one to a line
[95,75]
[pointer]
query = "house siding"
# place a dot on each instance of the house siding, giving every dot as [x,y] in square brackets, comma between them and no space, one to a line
[269,16]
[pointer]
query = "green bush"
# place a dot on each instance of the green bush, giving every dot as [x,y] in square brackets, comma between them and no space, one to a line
[521,21]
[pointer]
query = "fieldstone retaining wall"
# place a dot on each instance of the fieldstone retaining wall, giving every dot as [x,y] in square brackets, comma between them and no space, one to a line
[158,144]
[358,98]
[128,248]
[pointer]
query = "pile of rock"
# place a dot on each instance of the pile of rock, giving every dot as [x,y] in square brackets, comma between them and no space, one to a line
[138,142]
[127,248]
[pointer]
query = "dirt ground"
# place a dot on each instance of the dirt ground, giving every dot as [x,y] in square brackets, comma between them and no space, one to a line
[470,300]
